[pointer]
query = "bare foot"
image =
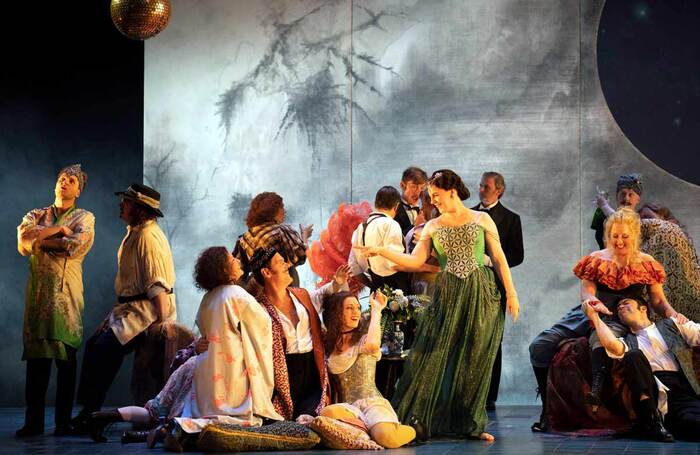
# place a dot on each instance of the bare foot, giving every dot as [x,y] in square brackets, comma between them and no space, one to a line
[486,437]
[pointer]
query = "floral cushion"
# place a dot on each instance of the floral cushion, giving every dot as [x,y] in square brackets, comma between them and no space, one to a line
[340,435]
[285,435]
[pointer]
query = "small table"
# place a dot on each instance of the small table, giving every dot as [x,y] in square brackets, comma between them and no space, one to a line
[389,370]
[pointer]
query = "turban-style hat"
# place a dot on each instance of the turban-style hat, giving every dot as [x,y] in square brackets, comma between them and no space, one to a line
[631,181]
[76,171]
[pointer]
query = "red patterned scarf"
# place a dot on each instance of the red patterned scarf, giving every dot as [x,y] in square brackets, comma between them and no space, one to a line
[282,397]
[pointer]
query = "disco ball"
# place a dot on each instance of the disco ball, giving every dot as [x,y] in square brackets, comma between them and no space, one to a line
[140,19]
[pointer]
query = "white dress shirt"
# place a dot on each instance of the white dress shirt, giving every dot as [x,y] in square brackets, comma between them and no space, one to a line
[655,349]
[381,231]
[412,214]
[298,338]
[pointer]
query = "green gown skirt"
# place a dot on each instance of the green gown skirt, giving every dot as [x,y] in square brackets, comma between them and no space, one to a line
[448,371]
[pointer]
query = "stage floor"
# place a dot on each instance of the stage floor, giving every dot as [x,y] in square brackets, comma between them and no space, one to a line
[510,425]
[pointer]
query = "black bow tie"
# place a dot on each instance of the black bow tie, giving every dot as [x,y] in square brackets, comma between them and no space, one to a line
[415,208]
[484,209]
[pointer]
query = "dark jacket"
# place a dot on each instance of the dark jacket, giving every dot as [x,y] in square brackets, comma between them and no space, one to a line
[510,231]
[677,345]
[403,219]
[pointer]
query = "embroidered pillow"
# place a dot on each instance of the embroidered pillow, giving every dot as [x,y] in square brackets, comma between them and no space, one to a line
[340,435]
[284,435]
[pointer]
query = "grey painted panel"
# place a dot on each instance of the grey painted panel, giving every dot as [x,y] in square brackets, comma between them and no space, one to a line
[322,115]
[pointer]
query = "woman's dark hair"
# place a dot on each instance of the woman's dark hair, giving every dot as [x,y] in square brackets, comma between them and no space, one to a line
[446,179]
[263,209]
[663,212]
[213,268]
[333,319]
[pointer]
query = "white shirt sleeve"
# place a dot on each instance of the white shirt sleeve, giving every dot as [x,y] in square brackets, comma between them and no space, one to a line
[355,266]
[690,332]
[618,357]
[393,238]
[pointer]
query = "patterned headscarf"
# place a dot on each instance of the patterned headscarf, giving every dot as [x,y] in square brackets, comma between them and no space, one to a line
[631,181]
[76,171]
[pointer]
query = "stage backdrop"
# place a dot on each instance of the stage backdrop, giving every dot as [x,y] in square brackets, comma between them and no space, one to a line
[326,101]
[64,102]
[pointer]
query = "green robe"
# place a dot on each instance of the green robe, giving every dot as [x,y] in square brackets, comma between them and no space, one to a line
[54,297]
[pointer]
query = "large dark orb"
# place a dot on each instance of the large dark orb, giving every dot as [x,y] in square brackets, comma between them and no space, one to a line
[649,67]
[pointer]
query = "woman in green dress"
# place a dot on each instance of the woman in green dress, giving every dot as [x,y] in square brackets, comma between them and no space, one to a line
[447,374]
[56,239]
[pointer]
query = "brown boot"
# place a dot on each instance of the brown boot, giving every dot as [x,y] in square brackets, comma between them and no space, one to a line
[99,421]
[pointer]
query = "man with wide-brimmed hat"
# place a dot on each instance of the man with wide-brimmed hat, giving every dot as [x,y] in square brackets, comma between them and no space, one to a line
[145,298]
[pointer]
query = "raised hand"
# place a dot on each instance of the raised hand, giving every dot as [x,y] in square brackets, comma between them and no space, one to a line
[306,231]
[342,275]
[377,301]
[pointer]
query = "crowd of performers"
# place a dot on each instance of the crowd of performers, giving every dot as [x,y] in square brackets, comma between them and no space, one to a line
[269,350]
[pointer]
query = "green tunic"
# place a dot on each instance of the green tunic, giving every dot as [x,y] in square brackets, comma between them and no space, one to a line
[446,379]
[54,297]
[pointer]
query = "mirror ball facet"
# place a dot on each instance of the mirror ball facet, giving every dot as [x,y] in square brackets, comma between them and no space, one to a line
[140,19]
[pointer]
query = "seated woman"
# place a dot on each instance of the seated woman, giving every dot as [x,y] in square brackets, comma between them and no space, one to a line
[619,270]
[353,347]
[233,380]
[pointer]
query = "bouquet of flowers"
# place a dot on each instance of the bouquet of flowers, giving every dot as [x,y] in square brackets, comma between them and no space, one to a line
[401,313]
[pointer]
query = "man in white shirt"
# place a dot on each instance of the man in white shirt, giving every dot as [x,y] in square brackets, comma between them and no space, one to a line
[145,299]
[380,229]
[657,359]
[301,379]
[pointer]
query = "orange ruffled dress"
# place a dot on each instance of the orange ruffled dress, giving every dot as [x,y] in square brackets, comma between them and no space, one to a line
[615,282]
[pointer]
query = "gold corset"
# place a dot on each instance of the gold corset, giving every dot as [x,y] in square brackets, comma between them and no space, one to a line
[357,382]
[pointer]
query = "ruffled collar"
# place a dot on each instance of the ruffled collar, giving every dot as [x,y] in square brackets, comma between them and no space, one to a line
[608,273]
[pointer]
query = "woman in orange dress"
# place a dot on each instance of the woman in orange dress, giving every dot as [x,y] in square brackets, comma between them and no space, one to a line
[618,271]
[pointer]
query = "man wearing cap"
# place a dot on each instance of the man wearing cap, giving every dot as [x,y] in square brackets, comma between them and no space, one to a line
[628,194]
[145,298]
[56,239]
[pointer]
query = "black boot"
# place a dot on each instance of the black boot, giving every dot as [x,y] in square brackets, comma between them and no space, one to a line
[541,374]
[655,430]
[28,432]
[100,420]
[132,436]
[600,365]
[79,425]
[421,432]
[159,433]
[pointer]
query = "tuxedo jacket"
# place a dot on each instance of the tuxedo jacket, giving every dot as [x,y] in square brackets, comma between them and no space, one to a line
[403,219]
[510,231]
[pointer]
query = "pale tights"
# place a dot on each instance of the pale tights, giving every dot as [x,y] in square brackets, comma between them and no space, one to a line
[134,414]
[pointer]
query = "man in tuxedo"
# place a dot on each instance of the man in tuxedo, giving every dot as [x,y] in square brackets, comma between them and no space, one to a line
[510,231]
[413,180]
